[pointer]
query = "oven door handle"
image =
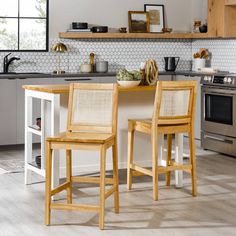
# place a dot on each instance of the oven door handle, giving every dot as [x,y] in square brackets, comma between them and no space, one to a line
[219,91]
[222,94]
[224,140]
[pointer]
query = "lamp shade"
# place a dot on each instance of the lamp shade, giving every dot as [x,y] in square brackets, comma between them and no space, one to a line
[59,47]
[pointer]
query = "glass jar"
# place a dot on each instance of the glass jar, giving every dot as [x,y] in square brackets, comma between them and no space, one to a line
[196,25]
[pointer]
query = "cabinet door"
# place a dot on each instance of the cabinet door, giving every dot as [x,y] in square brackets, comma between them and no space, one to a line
[21,106]
[7,112]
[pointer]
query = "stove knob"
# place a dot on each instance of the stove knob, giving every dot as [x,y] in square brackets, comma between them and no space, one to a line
[205,78]
[209,78]
[229,80]
[225,79]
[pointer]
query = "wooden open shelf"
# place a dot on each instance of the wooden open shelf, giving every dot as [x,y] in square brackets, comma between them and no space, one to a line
[230,2]
[221,24]
[77,35]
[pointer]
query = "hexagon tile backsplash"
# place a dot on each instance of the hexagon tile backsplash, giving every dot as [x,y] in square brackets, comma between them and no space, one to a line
[128,53]
[119,53]
[222,52]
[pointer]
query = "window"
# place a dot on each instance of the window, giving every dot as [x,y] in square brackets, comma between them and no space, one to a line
[24,25]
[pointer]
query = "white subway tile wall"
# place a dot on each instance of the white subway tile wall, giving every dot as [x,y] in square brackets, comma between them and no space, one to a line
[119,53]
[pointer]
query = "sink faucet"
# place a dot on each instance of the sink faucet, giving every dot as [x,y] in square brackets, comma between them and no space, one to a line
[7,62]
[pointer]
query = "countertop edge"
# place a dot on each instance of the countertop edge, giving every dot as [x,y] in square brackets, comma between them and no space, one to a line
[111,74]
[64,88]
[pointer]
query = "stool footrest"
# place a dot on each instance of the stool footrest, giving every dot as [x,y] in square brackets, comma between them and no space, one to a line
[60,188]
[141,169]
[77,207]
[110,191]
[174,167]
[137,173]
[95,180]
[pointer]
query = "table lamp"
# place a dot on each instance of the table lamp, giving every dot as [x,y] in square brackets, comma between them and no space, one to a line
[59,48]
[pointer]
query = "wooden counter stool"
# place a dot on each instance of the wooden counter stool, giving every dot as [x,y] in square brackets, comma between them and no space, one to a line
[92,125]
[174,110]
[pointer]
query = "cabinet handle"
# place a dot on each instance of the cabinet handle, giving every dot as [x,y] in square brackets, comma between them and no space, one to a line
[218,139]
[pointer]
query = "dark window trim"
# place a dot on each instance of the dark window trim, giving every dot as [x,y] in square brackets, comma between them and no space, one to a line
[47,29]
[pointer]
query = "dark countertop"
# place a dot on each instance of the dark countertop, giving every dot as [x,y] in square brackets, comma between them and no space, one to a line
[111,74]
[191,73]
[51,75]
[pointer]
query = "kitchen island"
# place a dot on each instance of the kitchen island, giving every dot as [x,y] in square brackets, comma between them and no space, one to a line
[12,120]
[134,102]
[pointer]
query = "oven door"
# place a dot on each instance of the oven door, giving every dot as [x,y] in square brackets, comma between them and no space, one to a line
[218,110]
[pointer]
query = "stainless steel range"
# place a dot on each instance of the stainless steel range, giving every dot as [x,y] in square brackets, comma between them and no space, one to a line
[218,121]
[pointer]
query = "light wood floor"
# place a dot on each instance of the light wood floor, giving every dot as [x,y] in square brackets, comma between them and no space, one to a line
[177,213]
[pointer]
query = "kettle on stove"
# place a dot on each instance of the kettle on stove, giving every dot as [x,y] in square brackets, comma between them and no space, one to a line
[171,63]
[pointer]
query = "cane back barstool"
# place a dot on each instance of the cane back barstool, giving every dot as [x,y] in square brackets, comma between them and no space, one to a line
[91,125]
[174,110]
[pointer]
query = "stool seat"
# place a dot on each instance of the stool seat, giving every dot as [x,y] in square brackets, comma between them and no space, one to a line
[79,137]
[145,126]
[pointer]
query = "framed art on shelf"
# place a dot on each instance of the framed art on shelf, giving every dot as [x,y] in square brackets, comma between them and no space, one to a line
[156,17]
[138,22]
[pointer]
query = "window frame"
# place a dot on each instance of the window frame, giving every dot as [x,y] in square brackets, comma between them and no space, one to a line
[18,27]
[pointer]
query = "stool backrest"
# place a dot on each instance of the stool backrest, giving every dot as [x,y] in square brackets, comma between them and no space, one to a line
[175,102]
[92,108]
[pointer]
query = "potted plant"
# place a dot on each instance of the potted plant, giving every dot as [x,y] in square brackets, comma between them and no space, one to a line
[128,79]
[200,58]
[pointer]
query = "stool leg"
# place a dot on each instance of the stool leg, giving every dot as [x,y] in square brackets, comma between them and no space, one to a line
[168,158]
[193,162]
[115,176]
[48,183]
[68,176]
[130,155]
[102,186]
[154,165]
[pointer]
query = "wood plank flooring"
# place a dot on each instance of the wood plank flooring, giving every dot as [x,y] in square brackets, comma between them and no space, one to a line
[176,213]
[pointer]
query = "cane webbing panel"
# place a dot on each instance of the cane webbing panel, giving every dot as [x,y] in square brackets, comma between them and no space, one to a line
[174,103]
[92,107]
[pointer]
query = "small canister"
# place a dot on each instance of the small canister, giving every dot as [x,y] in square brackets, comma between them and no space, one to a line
[86,68]
[101,66]
[196,25]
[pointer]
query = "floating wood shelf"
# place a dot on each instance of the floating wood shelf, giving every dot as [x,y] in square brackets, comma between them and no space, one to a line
[230,2]
[77,35]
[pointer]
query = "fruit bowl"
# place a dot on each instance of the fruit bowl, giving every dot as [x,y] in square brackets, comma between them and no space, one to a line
[128,84]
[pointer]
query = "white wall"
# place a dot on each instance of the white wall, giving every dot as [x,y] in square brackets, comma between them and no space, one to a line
[114,13]
[199,10]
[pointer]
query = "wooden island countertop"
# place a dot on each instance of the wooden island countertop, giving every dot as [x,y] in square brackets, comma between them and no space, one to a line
[64,88]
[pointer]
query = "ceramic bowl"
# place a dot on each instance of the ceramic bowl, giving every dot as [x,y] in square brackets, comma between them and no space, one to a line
[128,84]
[167,30]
